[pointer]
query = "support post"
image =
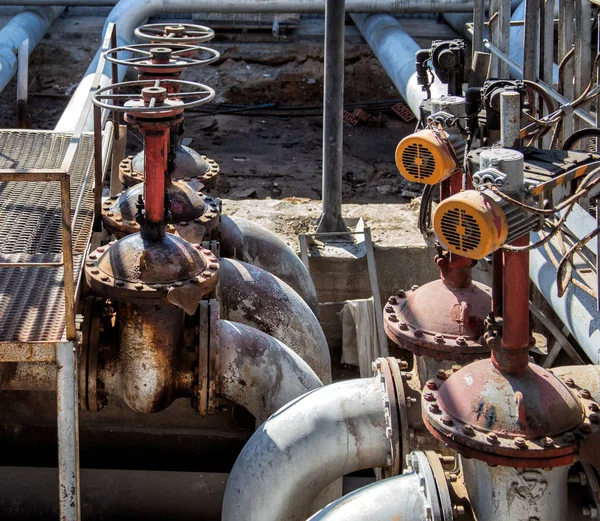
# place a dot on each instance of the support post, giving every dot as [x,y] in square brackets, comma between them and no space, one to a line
[68,431]
[531,43]
[333,125]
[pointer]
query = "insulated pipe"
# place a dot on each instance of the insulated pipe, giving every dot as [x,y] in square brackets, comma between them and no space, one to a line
[249,242]
[255,297]
[129,14]
[396,50]
[31,24]
[258,372]
[305,446]
[401,497]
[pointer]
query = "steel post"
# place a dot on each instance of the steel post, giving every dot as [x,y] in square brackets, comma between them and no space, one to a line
[68,431]
[510,119]
[531,42]
[155,165]
[333,111]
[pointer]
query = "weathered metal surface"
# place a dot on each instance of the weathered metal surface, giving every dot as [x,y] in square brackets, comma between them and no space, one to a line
[137,271]
[500,493]
[305,446]
[188,164]
[258,372]
[255,297]
[149,337]
[194,215]
[68,431]
[527,420]
[247,241]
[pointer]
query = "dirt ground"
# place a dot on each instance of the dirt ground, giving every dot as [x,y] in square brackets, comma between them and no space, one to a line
[270,152]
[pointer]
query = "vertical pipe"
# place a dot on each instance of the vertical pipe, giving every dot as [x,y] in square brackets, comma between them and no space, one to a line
[583,51]
[504,12]
[512,355]
[67,255]
[478,25]
[98,168]
[510,116]
[495,37]
[497,283]
[155,160]
[333,126]
[565,40]
[548,42]
[68,436]
[23,120]
[530,45]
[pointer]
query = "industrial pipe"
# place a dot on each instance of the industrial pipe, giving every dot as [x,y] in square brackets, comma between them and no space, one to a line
[258,372]
[304,447]
[396,50]
[249,242]
[129,14]
[401,497]
[31,24]
[255,297]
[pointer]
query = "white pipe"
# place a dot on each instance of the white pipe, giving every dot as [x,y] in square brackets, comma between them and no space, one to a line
[31,24]
[129,14]
[401,497]
[395,49]
[304,447]
[258,372]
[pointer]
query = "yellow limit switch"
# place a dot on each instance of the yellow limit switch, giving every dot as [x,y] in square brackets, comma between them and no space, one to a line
[424,158]
[471,224]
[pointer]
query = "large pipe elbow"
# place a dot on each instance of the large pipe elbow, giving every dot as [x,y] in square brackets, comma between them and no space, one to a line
[255,297]
[249,242]
[401,497]
[258,372]
[302,448]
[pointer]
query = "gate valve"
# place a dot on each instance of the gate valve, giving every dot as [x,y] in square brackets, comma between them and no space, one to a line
[152,266]
[154,61]
[167,33]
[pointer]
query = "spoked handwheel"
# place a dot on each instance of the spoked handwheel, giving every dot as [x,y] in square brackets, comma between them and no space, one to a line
[152,97]
[181,33]
[151,56]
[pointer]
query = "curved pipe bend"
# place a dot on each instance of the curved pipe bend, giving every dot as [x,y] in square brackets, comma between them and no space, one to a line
[255,297]
[400,497]
[249,242]
[305,446]
[258,372]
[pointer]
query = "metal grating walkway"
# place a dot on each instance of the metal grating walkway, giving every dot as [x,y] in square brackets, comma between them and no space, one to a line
[32,299]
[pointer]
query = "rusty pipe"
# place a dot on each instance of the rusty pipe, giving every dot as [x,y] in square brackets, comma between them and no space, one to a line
[149,336]
[511,354]
[155,161]
[308,444]
[249,242]
[252,296]
[259,372]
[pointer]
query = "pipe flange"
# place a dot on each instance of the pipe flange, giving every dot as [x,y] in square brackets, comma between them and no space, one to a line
[390,405]
[195,230]
[417,462]
[425,342]
[139,272]
[90,398]
[441,481]
[202,169]
[505,428]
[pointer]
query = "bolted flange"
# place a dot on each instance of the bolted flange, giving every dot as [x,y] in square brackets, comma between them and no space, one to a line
[440,321]
[188,164]
[138,271]
[531,420]
[194,215]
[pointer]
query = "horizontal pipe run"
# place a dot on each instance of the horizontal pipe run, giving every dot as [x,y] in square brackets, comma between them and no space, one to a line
[30,24]
[260,373]
[257,298]
[305,446]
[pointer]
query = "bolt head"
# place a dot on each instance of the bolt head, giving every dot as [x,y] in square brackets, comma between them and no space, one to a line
[586,394]
[414,287]
[520,442]
[401,294]
[569,437]
[389,309]
[585,428]
[439,338]
[492,437]
[468,430]
[461,341]
[434,408]
[418,332]
[429,396]
[569,382]
[594,417]
[393,318]
[392,300]
[547,441]
[403,326]
[431,384]
[594,407]
[441,374]
[446,420]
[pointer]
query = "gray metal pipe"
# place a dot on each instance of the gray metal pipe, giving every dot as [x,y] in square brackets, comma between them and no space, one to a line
[395,49]
[333,114]
[305,446]
[255,297]
[576,309]
[31,24]
[249,242]
[258,372]
[129,14]
[401,497]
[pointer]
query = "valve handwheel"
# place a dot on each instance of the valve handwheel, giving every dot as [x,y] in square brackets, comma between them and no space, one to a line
[152,56]
[153,100]
[169,32]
